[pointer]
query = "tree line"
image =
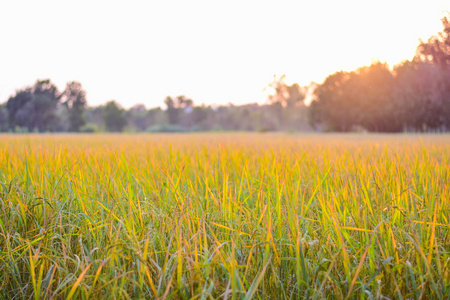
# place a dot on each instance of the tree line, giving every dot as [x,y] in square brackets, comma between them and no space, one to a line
[42,108]
[412,96]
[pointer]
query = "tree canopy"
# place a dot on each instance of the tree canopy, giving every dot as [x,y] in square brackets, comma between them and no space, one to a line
[415,95]
[34,108]
[74,98]
[114,117]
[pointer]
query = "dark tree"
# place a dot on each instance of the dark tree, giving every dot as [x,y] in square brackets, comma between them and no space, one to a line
[114,117]
[15,105]
[176,108]
[422,91]
[172,111]
[34,108]
[138,117]
[3,118]
[362,98]
[74,98]
[199,117]
[437,49]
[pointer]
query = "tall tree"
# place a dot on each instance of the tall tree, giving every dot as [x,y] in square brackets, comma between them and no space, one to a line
[176,108]
[172,111]
[437,49]
[114,117]
[286,101]
[35,107]
[74,98]
[3,118]
[138,117]
[360,98]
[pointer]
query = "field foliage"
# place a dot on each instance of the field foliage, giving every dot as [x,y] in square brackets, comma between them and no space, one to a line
[238,216]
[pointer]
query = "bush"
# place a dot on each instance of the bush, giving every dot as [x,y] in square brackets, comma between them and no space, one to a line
[89,128]
[166,128]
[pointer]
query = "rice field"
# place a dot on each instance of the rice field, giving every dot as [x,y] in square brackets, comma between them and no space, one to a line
[225,216]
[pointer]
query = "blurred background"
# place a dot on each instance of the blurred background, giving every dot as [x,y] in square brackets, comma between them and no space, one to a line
[237,66]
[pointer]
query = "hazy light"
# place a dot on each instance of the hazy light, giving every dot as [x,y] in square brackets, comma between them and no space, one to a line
[210,51]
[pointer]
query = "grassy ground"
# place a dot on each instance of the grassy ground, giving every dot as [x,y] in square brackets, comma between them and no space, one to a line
[224,216]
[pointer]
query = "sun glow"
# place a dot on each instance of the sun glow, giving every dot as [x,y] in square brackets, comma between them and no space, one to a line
[211,52]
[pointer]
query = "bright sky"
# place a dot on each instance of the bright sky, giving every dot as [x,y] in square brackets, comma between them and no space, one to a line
[214,52]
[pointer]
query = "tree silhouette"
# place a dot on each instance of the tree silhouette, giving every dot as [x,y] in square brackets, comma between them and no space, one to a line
[437,49]
[74,98]
[114,117]
[35,107]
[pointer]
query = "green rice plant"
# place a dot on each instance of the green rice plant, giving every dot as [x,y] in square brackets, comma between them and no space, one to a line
[235,216]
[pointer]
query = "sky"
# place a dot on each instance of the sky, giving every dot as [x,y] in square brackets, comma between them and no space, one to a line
[214,52]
